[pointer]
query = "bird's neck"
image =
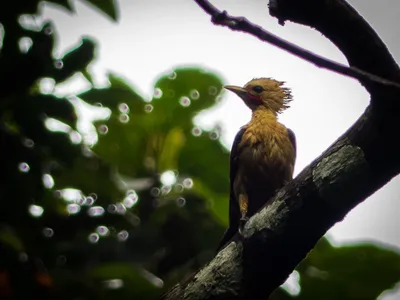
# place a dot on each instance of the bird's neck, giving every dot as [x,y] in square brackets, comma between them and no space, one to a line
[261,115]
[262,125]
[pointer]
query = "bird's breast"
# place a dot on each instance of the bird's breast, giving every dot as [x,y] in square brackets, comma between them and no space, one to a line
[266,155]
[267,146]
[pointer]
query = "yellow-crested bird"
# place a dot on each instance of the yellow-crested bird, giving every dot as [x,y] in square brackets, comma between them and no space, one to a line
[263,153]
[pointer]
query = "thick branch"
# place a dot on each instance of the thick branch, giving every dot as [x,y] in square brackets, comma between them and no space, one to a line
[244,25]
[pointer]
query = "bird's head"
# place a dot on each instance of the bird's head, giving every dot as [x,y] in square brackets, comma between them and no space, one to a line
[263,93]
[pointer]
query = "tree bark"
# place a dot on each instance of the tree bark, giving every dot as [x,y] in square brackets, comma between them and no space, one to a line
[360,162]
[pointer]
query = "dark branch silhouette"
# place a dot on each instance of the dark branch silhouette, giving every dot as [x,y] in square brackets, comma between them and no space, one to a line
[242,24]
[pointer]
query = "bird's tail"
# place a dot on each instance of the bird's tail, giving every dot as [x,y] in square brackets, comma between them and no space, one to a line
[228,235]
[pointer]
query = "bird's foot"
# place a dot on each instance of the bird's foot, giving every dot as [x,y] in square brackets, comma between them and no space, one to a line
[243,220]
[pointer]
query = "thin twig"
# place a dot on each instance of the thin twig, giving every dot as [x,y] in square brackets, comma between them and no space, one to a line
[243,25]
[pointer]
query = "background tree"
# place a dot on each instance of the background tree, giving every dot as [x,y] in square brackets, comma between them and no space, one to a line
[143,205]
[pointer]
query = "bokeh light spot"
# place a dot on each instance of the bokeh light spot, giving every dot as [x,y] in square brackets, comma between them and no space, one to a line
[103,129]
[194,94]
[168,178]
[93,237]
[25,43]
[172,75]
[124,118]
[165,189]
[212,90]
[58,64]
[73,208]
[123,235]
[112,208]
[121,209]
[155,192]
[188,183]
[157,93]
[89,201]
[82,200]
[96,211]
[28,143]
[48,181]
[184,101]
[70,195]
[48,232]
[214,135]
[148,108]
[24,167]
[123,107]
[36,210]
[196,131]
[130,200]
[102,230]
[181,201]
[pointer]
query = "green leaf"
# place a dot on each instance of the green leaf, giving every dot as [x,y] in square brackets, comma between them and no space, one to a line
[118,93]
[155,132]
[195,161]
[184,93]
[361,271]
[123,146]
[90,175]
[171,149]
[109,7]
[123,137]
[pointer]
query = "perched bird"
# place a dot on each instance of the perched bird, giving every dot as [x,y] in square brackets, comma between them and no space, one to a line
[263,153]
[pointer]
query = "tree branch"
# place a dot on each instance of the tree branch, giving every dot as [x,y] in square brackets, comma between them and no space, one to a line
[361,161]
[242,24]
[345,28]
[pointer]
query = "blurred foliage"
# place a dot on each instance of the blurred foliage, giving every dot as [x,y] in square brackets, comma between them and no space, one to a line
[351,272]
[144,205]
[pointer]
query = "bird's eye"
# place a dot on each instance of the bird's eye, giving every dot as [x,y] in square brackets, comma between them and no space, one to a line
[258,89]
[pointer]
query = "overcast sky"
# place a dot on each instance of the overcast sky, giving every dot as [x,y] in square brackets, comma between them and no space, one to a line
[153,36]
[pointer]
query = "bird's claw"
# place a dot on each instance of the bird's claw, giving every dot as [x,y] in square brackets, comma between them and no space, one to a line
[243,220]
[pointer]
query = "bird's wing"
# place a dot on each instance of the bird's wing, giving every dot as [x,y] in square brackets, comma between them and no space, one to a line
[292,139]
[234,211]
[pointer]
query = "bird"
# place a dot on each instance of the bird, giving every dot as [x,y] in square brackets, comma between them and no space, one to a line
[263,153]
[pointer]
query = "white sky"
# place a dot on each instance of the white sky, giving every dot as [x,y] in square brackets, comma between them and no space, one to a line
[153,36]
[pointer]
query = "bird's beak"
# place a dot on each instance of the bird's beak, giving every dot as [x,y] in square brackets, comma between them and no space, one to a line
[241,92]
